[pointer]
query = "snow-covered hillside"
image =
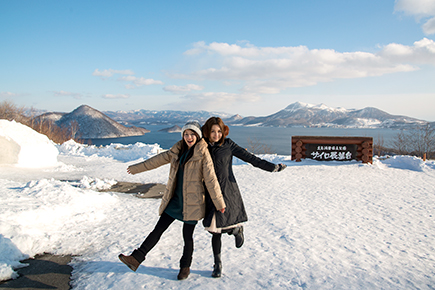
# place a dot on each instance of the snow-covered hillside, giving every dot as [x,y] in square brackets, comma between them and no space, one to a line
[91,123]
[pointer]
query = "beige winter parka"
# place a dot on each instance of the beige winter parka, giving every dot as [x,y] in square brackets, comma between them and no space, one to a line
[198,170]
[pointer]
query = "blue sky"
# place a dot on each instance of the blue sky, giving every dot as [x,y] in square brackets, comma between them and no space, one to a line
[245,57]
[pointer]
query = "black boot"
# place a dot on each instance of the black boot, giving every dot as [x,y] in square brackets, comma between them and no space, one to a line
[217,267]
[238,234]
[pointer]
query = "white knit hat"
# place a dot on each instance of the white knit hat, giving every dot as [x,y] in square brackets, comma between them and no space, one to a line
[192,125]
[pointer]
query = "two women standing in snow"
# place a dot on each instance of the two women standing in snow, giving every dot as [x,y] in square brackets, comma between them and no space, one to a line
[184,198]
[196,162]
[230,221]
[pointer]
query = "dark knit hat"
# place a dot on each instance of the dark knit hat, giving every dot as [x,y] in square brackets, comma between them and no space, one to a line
[192,125]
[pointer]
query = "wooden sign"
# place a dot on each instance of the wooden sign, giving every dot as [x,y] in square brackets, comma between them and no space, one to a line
[327,148]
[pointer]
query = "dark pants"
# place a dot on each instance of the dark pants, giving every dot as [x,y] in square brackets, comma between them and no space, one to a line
[164,222]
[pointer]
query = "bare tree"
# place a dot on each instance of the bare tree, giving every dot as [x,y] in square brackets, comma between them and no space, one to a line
[74,130]
[400,143]
[423,140]
[256,147]
[417,142]
[9,111]
[379,144]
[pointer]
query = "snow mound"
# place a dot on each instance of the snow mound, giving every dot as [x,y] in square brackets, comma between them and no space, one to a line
[24,147]
[405,162]
[10,259]
[116,151]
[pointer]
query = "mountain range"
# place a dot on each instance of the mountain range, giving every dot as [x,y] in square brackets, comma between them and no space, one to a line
[308,115]
[153,117]
[112,124]
[297,114]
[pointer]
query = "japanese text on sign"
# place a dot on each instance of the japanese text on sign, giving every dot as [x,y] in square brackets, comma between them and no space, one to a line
[331,152]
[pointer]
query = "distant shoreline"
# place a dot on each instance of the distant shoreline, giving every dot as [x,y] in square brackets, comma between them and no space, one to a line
[278,139]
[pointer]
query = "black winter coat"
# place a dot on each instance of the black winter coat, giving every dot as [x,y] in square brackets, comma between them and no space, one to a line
[223,164]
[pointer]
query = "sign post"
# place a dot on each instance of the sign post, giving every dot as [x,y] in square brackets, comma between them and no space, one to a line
[327,148]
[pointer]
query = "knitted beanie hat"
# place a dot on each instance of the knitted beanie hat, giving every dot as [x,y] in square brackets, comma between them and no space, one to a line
[192,125]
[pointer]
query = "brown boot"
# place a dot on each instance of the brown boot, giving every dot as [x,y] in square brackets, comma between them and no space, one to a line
[130,261]
[184,273]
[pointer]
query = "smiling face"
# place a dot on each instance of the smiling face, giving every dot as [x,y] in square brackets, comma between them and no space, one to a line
[190,138]
[215,133]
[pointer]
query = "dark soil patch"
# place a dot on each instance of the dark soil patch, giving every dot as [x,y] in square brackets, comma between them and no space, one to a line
[45,271]
[148,190]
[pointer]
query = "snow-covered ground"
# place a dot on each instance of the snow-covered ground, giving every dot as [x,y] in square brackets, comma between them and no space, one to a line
[316,225]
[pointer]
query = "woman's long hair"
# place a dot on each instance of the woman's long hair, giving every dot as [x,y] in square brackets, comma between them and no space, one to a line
[206,129]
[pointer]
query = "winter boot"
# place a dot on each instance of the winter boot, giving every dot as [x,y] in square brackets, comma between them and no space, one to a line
[238,234]
[130,261]
[184,273]
[217,267]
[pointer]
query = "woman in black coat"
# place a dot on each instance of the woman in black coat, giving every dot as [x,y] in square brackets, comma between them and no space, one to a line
[222,150]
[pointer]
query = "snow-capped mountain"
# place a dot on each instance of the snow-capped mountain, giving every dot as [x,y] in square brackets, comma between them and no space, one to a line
[308,115]
[148,117]
[92,123]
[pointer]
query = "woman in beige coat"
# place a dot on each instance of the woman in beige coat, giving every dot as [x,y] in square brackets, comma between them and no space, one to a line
[184,197]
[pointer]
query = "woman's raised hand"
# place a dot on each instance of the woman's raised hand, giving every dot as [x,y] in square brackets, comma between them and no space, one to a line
[279,167]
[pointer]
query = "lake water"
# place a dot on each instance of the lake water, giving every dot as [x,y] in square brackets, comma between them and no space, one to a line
[277,140]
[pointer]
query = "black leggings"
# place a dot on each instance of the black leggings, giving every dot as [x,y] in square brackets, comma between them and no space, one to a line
[216,243]
[162,225]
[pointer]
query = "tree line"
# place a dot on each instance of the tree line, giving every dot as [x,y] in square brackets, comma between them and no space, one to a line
[9,111]
[418,141]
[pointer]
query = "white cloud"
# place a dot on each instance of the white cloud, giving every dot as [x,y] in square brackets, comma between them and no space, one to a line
[7,94]
[138,82]
[128,76]
[429,26]
[273,69]
[215,101]
[225,97]
[248,50]
[119,96]
[416,7]
[421,9]
[130,86]
[146,82]
[107,73]
[220,100]
[183,89]
[422,52]
[67,94]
